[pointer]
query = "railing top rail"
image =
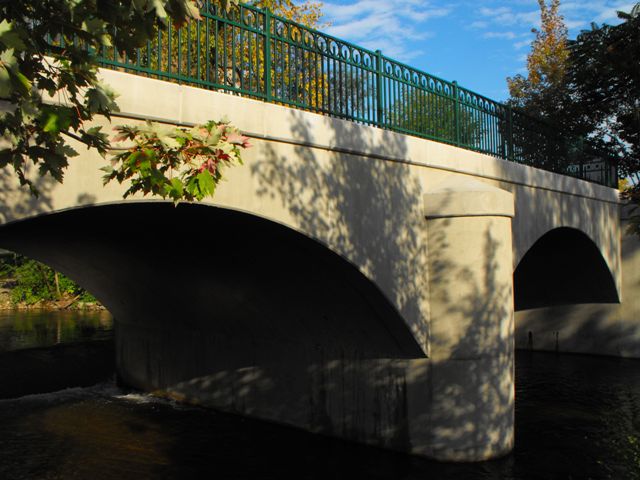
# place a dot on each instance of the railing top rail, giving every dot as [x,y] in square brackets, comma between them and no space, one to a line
[373,53]
[252,51]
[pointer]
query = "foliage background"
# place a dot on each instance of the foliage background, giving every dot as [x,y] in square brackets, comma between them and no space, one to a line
[31,282]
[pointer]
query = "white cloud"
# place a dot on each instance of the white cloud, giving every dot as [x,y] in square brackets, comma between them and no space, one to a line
[522,44]
[479,24]
[606,15]
[380,24]
[580,13]
[573,24]
[506,16]
[505,35]
[511,19]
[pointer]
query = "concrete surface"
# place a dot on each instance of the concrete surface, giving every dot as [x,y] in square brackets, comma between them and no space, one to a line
[313,290]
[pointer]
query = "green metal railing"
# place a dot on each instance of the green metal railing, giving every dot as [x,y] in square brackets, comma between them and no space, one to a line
[254,53]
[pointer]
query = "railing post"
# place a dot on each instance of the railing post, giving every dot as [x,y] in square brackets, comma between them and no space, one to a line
[379,96]
[510,150]
[456,113]
[267,54]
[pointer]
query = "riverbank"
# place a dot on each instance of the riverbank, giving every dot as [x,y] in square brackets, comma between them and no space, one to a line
[65,303]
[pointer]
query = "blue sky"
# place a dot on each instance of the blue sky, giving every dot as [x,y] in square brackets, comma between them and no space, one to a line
[478,43]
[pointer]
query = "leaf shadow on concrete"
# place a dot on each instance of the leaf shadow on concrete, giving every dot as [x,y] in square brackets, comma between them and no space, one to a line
[18,203]
[201,327]
[369,211]
[589,325]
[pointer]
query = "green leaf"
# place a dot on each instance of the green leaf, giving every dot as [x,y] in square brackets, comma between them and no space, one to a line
[21,82]
[177,189]
[29,109]
[160,11]
[169,142]
[206,184]
[96,28]
[131,159]
[214,138]
[51,124]
[11,79]
[9,37]
[6,86]
[57,121]
[144,166]
[192,10]
[192,187]
[101,99]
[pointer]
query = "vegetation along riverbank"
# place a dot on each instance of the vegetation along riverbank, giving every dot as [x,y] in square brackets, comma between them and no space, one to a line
[28,284]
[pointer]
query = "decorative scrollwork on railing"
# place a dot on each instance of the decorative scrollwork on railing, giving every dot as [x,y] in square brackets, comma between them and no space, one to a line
[233,13]
[231,49]
[334,48]
[295,33]
[309,39]
[321,44]
[280,28]
[250,19]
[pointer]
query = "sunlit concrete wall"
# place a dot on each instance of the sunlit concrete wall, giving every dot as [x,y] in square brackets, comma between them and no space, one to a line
[359,191]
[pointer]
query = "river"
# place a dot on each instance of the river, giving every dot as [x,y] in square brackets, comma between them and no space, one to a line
[576,417]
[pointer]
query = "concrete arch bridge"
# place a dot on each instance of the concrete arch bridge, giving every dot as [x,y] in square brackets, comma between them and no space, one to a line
[346,280]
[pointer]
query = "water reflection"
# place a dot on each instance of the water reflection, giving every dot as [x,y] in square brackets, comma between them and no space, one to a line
[576,417]
[21,329]
[43,351]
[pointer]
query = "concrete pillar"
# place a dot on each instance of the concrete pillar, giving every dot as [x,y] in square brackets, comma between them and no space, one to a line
[471,311]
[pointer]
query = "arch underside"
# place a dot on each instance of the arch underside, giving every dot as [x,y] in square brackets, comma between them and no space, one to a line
[241,278]
[564,267]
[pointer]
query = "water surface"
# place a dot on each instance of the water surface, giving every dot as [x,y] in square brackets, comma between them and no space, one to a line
[577,417]
[21,329]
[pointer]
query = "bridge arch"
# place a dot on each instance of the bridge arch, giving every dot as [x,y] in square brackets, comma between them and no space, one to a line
[564,266]
[246,277]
